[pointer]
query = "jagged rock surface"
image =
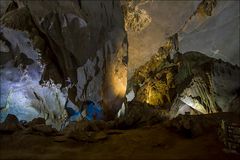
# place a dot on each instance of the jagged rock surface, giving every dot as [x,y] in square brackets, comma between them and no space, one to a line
[135,19]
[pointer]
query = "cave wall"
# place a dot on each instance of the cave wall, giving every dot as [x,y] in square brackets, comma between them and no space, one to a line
[85,46]
[216,35]
[207,27]
[167,17]
[204,26]
[87,37]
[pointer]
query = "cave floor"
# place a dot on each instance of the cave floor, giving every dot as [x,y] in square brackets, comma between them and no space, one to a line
[149,142]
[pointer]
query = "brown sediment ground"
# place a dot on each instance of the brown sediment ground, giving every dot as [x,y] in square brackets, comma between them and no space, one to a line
[147,142]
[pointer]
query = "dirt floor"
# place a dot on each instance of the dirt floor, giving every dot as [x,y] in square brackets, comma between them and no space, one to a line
[147,142]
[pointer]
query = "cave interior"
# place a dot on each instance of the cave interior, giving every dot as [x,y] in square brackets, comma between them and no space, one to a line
[119,79]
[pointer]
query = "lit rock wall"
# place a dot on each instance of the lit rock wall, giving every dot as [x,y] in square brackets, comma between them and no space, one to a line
[167,17]
[190,82]
[21,93]
[206,85]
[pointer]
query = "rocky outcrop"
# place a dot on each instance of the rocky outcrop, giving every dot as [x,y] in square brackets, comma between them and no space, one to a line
[153,83]
[213,83]
[10,125]
[139,114]
[188,83]
[198,125]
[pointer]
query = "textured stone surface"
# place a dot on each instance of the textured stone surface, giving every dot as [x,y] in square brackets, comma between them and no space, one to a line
[135,19]
[3,6]
[189,83]
[209,34]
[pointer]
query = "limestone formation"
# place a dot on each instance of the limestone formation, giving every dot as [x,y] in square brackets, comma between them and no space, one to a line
[189,83]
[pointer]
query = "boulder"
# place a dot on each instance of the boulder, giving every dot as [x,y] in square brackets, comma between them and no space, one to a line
[139,114]
[36,121]
[43,129]
[85,131]
[191,126]
[10,125]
